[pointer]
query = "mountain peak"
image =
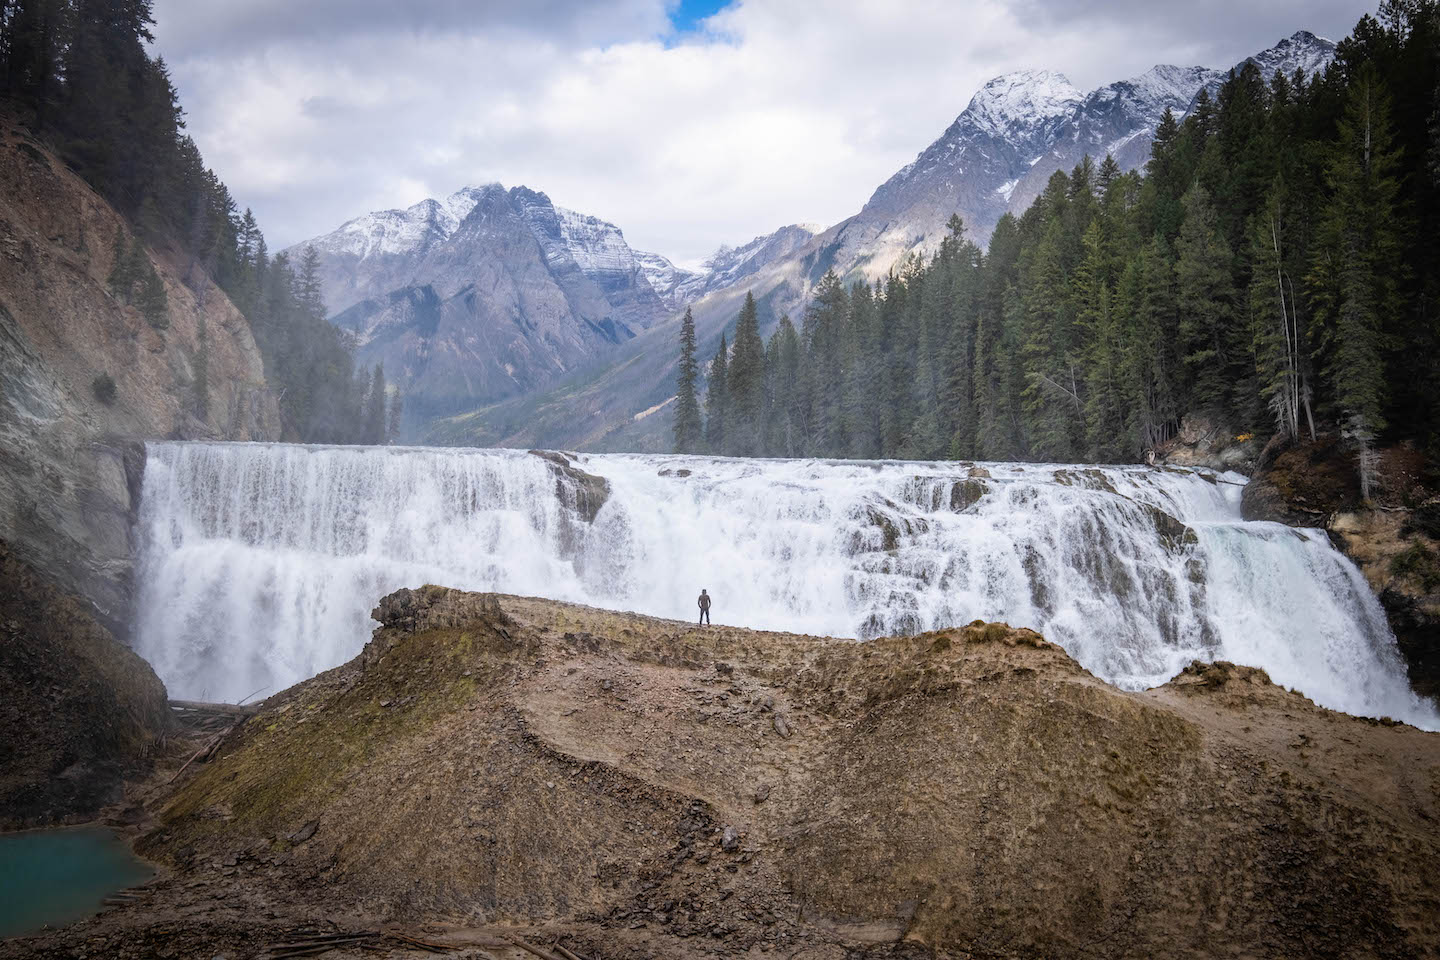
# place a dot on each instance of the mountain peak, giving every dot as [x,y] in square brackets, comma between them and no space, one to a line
[1302,50]
[1024,96]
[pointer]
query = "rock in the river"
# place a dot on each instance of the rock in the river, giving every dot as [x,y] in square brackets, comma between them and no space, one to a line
[582,492]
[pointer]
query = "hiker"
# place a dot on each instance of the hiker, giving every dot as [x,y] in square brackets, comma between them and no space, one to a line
[704,603]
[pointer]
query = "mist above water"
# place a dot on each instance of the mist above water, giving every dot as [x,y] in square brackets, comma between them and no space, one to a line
[260,562]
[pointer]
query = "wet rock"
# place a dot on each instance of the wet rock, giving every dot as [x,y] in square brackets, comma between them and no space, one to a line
[966,493]
[582,492]
[1175,535]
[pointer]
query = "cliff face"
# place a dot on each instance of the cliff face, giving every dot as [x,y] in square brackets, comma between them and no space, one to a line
[80,711]
[70,448]
[1394,540]
[646,788]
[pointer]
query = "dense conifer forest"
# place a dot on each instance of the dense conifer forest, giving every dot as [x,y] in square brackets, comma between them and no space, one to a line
[1276,267]
[78,74]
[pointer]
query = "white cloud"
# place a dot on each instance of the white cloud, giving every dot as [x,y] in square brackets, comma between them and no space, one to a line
[790,111]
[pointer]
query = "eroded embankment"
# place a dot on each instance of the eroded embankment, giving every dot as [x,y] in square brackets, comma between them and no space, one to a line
[646,788]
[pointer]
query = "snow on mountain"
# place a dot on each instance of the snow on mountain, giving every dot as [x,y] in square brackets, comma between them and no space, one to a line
[1302,50]
[726,267]
[402,232]
[1023,100]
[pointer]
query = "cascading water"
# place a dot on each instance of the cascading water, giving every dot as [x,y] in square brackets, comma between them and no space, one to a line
[261,562]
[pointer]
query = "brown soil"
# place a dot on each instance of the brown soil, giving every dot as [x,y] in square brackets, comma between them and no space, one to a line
[634,787]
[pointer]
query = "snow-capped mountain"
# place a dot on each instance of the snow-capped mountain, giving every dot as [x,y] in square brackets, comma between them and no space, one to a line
[485,294]
[489,293]
[1015,133]
[995,157]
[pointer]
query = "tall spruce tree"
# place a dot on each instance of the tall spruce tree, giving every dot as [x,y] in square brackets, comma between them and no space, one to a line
[745,380]
[1354,274]
[689,430]
[1206,300]
[717,399]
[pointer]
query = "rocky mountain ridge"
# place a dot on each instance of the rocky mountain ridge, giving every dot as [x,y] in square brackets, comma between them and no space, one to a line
[491,293]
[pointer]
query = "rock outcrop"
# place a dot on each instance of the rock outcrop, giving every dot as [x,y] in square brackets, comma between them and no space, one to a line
[495,767]
[84,377]
[79,711]
[1394,540]
[1205,442]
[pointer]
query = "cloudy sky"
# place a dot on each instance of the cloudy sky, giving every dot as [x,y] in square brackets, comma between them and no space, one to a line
[688,124]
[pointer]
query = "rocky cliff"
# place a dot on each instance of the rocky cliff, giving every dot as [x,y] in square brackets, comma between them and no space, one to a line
[80,711]
[620,786]
[85,377]
[1394,538]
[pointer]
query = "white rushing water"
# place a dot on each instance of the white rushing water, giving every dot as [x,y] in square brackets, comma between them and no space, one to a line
[260,562]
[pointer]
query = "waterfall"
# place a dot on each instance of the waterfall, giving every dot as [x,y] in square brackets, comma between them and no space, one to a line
[260,562]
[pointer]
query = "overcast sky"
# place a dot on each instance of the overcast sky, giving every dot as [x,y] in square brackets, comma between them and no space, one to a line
[688,125]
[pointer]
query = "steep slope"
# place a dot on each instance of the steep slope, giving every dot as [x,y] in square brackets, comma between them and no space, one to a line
[81,711]
[636,787]
[83,377]
[486,294]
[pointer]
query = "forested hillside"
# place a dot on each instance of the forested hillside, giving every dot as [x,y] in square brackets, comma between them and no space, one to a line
[1275,268]
[78,73]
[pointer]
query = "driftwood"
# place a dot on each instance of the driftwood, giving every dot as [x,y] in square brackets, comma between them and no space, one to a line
[529,948]
[307,946]
[200,706]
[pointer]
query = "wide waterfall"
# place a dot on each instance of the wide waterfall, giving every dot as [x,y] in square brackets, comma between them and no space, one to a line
[260,562]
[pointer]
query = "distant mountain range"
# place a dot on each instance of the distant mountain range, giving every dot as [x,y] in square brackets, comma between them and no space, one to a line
[536,325]
[490,293]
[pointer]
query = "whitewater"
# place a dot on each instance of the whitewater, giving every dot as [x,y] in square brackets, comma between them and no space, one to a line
[259,563]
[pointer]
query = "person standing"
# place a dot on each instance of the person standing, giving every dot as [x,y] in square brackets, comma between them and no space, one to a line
[704,603]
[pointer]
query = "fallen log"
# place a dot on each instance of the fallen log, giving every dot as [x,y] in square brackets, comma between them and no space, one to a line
[199,706]
[528,948]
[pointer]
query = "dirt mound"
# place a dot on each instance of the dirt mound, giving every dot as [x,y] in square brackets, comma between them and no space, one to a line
[638,787]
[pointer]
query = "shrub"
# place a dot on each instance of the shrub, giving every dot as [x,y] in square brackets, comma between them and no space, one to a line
[1419,562]
[103,386]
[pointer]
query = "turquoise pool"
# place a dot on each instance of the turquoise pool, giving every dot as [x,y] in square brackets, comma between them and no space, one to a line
[54,877]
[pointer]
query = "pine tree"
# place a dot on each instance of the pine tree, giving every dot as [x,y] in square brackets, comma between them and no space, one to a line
[307,285]
[201,385]
[1104,402]
[153,301]
[689,431]
[785,431]
[1205,294]
[1353,279]
[121,281]
[396,418]
[717,399]
[745,382]
[1275,318]
[375,408]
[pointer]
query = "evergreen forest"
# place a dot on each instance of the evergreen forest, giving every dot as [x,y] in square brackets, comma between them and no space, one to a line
[1275,268]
